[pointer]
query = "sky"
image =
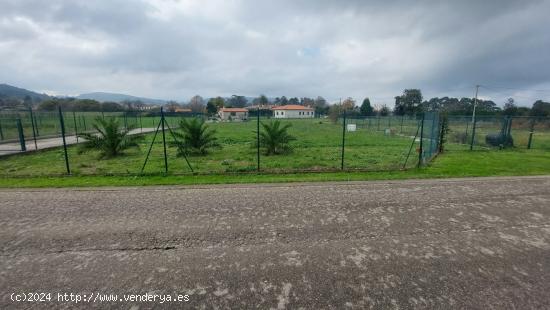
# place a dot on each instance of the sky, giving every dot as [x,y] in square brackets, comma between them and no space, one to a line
[170,49]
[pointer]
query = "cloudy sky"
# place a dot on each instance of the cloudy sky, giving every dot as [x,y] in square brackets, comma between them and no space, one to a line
[175,49]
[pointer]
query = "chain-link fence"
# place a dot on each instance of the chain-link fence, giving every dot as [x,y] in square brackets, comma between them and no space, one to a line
[488,132]
[32,143]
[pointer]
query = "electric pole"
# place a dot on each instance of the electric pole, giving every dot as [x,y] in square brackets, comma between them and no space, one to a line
[475,104]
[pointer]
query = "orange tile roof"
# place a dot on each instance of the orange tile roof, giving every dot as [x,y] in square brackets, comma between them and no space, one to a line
[292,107]
[233,110]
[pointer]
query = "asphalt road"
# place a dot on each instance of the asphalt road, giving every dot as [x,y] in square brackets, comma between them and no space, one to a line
[469,243]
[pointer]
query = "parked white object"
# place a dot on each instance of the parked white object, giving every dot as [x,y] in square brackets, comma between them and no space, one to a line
[352,127]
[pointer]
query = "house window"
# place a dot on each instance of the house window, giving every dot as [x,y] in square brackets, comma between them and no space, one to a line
[233,114]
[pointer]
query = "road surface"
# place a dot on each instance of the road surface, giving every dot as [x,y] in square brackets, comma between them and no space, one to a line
[48,143]
[464,243]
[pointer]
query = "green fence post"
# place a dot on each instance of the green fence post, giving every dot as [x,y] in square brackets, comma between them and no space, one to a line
[36,125]
[473,133]
[531,131]
[33,129]
[421,150]
[258,138]
[140,124]
[21,135]
[343,139]
[84,121]
[62,125]
[163,139]
[1,132]
[75,128]
[402,116]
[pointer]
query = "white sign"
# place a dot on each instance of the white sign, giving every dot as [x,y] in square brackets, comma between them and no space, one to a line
[352,127]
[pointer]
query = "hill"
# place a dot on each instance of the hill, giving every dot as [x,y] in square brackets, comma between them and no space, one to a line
[114,97]
[8,91]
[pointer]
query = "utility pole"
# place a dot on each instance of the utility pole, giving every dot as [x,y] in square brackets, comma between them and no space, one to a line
[475,104]
[474,121]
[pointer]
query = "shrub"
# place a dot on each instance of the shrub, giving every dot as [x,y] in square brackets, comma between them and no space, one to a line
[110,140]
[195,137]
[498,139]
[275,138]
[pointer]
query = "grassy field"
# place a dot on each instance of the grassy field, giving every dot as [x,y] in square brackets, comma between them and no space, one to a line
[317,147]
[453,163]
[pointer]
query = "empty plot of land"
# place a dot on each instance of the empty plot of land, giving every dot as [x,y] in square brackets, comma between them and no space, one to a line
[469,243]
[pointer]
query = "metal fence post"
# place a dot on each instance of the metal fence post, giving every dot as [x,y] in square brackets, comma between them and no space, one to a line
[140,124]
[33,129]
[473,133]
[62,125]
[36,125]
[343,139]
[163,139]
[21,135]
[402,116]
[1,132]
[420,153]
[531,131]
[258,138]
[75,127]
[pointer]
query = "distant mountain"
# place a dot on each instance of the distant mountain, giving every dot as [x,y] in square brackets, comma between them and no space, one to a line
[114,97]
[8,91]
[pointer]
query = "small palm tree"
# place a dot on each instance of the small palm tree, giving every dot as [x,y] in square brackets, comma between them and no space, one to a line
[275,138]
[110,139]
[195,137]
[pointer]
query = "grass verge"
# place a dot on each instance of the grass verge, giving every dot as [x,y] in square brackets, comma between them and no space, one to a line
[454,163]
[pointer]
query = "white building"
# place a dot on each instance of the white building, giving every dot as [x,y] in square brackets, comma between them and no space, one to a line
[293,111]
[233,114]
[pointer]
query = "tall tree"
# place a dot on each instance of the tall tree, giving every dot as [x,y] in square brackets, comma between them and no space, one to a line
[294,100]
[540,108]
[366,108]
[284,100]
[320,105]
[196,104]
[409,102]
[348,104]
[237,101]
[510,107]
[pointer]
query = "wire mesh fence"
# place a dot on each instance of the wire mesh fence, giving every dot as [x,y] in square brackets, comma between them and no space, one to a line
[31,142]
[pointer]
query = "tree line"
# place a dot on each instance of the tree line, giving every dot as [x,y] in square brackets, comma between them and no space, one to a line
[410,102]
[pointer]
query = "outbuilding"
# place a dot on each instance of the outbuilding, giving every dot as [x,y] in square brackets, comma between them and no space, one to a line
[293,111]
[233,114]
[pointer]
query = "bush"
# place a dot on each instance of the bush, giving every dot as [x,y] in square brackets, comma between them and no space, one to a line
[195,137]
[498,139]
[110,140]
[275,138]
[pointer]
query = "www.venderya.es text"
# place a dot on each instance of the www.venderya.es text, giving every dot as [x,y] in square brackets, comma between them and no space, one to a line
[46,297]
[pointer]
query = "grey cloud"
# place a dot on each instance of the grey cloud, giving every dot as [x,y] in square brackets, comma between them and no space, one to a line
[175,49]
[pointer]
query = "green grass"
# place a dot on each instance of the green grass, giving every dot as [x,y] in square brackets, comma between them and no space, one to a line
[318,148]
[317,151]
[450,164]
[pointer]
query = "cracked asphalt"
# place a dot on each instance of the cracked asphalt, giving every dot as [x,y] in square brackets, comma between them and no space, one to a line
[465,243]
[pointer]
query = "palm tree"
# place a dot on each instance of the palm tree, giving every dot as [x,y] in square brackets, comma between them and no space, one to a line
[195,136]
[110,139]
[275,138]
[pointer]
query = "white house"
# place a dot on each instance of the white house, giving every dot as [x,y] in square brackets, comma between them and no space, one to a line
[293,111]
[233,114]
